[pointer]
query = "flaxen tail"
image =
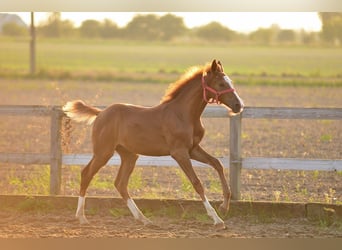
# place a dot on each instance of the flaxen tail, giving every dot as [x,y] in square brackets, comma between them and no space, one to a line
[80,112]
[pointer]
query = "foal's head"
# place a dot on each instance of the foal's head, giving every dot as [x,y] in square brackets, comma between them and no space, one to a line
[218,88]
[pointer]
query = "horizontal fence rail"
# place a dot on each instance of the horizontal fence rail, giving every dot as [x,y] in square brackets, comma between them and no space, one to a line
[168,161]
[235,162]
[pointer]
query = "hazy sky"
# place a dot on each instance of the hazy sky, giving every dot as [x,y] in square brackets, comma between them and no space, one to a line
[239,21]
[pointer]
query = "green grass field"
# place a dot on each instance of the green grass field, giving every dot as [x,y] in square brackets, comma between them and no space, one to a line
[160,62]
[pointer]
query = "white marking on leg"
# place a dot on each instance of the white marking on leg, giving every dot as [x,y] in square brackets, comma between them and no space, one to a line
[136,212]
[212,213]
[80,210]
[133,208]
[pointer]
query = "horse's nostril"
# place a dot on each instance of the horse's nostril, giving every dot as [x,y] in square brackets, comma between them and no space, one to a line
[237,106]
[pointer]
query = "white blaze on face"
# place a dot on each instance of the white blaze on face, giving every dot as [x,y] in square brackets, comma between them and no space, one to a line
[228,81]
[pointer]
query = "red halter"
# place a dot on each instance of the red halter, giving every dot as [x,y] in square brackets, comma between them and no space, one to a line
[214,91]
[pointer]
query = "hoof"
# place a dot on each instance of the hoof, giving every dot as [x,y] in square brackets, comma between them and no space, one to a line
[145,221]
[220,226]
[83,220]
[223,209]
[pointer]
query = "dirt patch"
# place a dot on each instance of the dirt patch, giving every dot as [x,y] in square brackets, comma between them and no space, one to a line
[43,221]
[60,225]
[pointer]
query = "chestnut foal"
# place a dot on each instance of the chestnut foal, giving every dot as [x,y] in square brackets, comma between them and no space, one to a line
[172,127]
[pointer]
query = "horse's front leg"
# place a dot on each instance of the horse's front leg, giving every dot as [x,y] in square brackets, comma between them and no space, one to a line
[199,154]
[183,159]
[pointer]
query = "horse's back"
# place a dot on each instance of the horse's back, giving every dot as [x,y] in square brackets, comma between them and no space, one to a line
[128,111]
[137,128]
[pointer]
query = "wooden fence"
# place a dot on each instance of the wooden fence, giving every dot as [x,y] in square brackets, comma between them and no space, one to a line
[235,161]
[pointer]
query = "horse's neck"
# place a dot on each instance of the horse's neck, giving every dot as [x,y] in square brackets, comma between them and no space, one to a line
[190,100]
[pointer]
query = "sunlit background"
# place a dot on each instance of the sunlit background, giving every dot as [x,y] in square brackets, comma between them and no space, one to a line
[239,21]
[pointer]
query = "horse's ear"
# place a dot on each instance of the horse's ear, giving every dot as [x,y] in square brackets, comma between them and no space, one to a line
[214,65]
[219,63]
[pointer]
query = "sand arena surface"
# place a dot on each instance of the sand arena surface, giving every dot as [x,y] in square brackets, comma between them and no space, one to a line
[49,217]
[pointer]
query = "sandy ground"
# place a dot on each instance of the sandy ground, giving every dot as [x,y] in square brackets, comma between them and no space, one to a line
[61,224]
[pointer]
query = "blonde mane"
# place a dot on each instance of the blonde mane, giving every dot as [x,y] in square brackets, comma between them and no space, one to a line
[174,88]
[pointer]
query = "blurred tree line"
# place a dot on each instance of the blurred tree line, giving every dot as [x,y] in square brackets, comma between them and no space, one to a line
[170,27]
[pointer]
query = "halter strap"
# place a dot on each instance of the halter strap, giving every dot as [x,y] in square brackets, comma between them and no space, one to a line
[214,91]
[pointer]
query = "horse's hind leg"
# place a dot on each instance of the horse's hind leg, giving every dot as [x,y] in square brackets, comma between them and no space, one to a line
[86,176]
[128,160]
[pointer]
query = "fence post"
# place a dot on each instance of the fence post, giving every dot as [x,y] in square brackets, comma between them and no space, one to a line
[55,151]
[235,156]
[32,46]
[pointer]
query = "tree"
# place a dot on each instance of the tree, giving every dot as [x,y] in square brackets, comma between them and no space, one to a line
[286,35]
[214,31]
[308,37]
[13,29]
[152,27]
[265,35]
[55,27]
[331,26]
[109,29]
[143,27]
[90,28]
[171,26]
